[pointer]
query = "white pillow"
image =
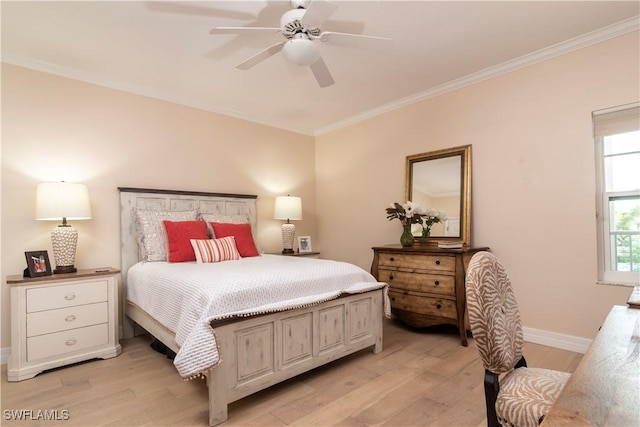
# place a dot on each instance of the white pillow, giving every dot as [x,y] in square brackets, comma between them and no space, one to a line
[151,234]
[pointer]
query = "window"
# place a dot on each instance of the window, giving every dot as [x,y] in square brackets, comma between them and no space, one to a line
[617,140]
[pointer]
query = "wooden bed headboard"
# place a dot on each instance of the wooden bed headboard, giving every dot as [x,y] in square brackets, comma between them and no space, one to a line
[170,200]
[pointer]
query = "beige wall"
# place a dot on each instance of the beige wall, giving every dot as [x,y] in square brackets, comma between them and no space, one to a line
[533,177]
[533,171]
[59,129]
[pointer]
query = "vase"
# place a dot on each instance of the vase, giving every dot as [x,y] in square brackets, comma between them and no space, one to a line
[406,240]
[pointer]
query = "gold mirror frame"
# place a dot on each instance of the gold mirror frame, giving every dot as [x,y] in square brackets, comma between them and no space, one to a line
[464,153]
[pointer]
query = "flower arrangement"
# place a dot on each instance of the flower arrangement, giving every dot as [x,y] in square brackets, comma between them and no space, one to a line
[408,213]
[431,216]
[411,213]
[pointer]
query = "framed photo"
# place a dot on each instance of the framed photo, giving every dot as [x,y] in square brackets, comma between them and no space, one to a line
[37,264]
[304,244]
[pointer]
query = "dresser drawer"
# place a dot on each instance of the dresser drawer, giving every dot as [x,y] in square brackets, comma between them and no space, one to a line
[52,297]
[73,340]
[62,319]
[440,307]
[418,282]
[411,262]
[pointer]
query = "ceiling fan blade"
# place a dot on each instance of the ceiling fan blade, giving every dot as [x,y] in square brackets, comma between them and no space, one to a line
[355,40]
[261,56]
[240,30]
[317,12]
[321,73]
[190,9]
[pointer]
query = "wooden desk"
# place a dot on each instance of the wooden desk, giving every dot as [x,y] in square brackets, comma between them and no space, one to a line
[605,388]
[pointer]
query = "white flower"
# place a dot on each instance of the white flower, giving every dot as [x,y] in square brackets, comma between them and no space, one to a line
[411,208]
[435,213]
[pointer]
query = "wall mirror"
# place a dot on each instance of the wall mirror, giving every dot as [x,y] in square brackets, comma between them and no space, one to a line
[442,180]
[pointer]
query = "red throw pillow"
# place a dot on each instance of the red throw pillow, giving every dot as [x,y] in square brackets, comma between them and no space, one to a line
[242,232]
[179,235]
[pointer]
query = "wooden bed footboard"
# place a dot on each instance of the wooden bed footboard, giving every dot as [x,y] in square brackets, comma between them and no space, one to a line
[260,351]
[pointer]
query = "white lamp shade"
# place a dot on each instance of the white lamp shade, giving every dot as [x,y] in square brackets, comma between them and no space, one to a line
[288,207]
[58,200]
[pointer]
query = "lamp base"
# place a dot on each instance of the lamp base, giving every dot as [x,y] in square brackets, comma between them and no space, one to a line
[288,231]
[64,240]
[64,269]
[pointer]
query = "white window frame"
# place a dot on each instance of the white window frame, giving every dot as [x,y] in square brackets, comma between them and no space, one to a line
[606,275]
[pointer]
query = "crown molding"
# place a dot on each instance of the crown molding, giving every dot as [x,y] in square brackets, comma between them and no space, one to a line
[580,42]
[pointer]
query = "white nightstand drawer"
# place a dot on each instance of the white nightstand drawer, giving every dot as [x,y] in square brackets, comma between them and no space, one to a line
[63,319]
[52,297]
[73,340]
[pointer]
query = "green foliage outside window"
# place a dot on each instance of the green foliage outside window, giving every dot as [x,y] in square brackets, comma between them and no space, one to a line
[627,245]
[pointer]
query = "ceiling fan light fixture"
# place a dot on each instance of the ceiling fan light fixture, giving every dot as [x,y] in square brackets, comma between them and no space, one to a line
[301,51]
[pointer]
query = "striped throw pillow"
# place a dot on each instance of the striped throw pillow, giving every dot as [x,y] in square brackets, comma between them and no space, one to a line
[215,250]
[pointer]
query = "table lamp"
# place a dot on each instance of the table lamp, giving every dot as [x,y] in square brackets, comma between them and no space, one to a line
[289,208]
[64,201]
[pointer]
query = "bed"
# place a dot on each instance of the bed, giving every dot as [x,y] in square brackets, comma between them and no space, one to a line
[253,347]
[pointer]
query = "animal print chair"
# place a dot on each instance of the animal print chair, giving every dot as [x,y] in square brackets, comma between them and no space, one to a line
[522,396]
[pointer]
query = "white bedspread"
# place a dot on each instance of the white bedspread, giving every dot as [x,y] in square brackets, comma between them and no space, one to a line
[186,297]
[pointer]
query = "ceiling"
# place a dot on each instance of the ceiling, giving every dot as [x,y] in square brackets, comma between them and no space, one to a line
[164,50]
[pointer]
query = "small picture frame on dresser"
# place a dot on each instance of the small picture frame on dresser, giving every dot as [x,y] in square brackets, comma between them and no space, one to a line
[304,244]
[37,264]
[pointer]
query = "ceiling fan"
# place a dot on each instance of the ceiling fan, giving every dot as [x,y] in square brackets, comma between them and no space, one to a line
[301,28]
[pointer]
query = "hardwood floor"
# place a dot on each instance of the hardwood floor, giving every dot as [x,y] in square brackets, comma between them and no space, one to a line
[422,378]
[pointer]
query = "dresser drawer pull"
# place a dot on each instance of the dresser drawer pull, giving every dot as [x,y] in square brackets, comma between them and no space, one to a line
[70,296]
[437,282]
[439,305]
[392,259]
[71,342]
[393,298]
[70,318]
[438,262]
[390,277]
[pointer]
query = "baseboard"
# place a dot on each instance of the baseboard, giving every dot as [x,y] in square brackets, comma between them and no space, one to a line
[554,339]
[537,336]
[4,355]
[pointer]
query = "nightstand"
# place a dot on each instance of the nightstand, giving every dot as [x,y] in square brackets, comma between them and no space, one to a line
[302,254]
[62,319]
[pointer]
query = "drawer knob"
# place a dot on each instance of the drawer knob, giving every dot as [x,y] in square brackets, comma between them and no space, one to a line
[70,318]
[70,296]
[71,342]
[437,282]
[390,277]
[439,305]
[393,298]
[438,262]
[392,259]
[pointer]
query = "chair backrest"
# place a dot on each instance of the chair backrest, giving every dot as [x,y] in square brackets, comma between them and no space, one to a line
[493,313]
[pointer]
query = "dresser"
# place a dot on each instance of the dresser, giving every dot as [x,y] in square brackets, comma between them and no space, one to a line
[61,319]
[426,283]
